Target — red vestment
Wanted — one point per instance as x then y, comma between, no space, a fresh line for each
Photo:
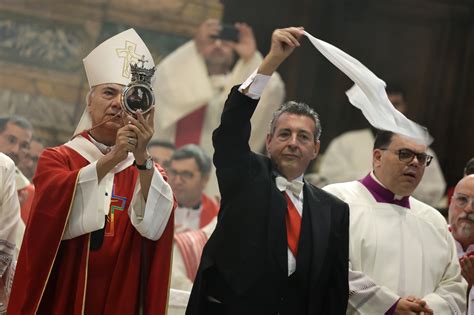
55,276
208,212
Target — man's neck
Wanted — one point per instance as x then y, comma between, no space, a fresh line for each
216,69
108,140
195,204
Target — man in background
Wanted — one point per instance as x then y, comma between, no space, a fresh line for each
193,82
189,171
29,162
161,152
348,157
461,220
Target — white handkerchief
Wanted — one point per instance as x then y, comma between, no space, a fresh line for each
369,95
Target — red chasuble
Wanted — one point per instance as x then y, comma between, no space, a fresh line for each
65,277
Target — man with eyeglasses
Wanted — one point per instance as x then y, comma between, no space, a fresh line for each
189,173
349,157
461,219
402,258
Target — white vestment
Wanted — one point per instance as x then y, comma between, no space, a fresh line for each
179,277
92,198
396,252
11,225
470,299
349,157
183,85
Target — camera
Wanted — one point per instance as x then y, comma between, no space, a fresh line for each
228,32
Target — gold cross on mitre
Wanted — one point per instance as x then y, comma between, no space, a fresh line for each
130,56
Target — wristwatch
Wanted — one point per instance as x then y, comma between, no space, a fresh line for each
148,165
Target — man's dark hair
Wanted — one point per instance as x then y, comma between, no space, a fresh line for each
159,143
383,139
195,152
393,88
469,168
297,108
20,121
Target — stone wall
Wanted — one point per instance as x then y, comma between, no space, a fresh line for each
42,44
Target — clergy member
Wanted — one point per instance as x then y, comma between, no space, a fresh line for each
189,173
402,256
461,220
101,226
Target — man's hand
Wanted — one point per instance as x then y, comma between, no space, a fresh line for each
204,33
247,45
284,41
125,142
467,269
412,305
143,129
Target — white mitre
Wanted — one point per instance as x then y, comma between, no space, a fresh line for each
110,63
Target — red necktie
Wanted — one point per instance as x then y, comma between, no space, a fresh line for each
293,225
188,128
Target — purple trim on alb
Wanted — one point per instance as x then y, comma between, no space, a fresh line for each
392,309
382,194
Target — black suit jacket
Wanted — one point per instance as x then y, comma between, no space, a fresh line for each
244,264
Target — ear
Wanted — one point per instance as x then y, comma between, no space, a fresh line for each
317,145
376,158
267,142
205,179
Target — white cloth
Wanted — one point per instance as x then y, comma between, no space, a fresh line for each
11,225
92,198
187,219
21,180
183,85
470,300
368,94
395,252
349,157
179,277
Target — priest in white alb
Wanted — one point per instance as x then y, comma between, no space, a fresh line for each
402,255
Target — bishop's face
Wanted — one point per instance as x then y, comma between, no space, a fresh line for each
104,104
292,145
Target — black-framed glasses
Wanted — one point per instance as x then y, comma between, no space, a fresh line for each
185,175
407,155
462,201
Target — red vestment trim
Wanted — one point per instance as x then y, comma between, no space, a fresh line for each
191,244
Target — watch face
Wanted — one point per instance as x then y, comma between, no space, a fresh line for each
149,164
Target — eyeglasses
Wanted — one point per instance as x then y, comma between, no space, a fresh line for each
462,201
407,155
185,175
